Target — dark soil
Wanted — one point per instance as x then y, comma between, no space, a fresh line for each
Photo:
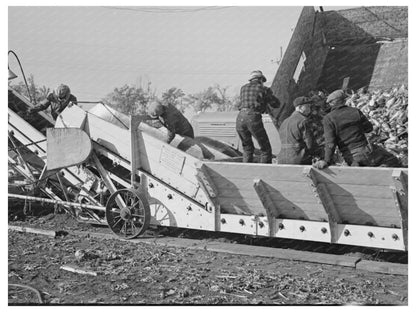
139,273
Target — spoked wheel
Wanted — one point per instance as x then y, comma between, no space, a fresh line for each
128,213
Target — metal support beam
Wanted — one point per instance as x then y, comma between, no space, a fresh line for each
400,193
271,209
326,200
58,175
59,202
134,145
107,180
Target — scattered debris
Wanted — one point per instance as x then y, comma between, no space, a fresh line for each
77,270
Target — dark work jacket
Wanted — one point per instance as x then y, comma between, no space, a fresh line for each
57,105
297,140
175,122
345,127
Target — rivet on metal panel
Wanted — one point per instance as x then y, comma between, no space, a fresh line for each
347,233
223,221
395,237
170,196
302,228
370,234
151,185
261,224
241,222
324,230
281,226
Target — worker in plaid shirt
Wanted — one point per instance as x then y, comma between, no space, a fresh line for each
255,99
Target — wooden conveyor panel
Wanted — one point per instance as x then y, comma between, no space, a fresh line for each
362,196
338,195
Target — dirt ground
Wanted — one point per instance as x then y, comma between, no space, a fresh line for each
122,273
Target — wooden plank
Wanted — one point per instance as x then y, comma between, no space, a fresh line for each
24,229
239,249
383,267
355,175
369,191
286,209
300,189
267,172
167,171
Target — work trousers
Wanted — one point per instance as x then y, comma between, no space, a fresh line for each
250,124
370,155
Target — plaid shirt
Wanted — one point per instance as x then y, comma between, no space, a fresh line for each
257,97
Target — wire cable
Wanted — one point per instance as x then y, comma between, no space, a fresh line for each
38,294
167,10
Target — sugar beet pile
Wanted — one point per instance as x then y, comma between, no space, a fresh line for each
386,110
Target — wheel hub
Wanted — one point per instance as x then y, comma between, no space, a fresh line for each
125,213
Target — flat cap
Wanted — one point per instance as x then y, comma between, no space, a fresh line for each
337,94
302,100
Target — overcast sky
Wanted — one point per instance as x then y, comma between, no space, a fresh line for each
95,49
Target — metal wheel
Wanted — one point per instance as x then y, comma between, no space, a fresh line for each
128,213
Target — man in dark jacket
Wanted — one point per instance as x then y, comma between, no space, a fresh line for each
172,119
296,137
345,127
58,101
255,99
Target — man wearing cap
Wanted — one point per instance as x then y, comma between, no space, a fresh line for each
172,119
296,137
255,99
57,100
345,127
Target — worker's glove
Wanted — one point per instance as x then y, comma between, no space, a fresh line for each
320,164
